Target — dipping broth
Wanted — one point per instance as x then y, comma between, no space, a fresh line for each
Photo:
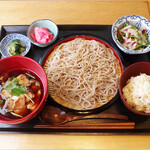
20,93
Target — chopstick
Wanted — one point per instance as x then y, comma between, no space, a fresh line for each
127,125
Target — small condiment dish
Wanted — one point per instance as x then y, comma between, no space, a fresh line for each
139,22
9,38
45,23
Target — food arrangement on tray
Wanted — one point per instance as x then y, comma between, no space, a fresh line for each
83,77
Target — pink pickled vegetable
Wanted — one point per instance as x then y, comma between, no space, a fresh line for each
129,33
128,42
143,31
119,33
42,35
45,29
33,36
134,43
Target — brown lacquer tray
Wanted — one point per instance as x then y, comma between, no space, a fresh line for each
134,123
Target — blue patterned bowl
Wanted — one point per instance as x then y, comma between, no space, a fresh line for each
137,21
8,39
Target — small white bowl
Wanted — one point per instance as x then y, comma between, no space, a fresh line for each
43,23
137,21
8,39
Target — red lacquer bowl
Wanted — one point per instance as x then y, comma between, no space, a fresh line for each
14,63
133,70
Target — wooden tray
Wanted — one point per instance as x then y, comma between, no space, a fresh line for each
133,125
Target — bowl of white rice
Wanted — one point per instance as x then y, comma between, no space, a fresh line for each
134,88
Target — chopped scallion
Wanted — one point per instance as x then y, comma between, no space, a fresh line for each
30,75
16,114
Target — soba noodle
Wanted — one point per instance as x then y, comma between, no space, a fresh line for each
82,74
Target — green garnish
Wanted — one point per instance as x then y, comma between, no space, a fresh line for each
125,24
1,101
29,98
10,84
133,27
119,36
16,47
132,38
14,88
123,34
139,46
30,75
16,114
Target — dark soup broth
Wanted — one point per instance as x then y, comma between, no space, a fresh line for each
20,93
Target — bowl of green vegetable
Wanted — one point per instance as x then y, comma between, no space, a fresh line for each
131,33
15,44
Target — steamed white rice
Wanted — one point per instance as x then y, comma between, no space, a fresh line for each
137,92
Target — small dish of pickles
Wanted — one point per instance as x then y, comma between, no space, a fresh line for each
131,33
15,44
132,38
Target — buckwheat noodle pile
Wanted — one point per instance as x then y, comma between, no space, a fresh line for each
82,74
